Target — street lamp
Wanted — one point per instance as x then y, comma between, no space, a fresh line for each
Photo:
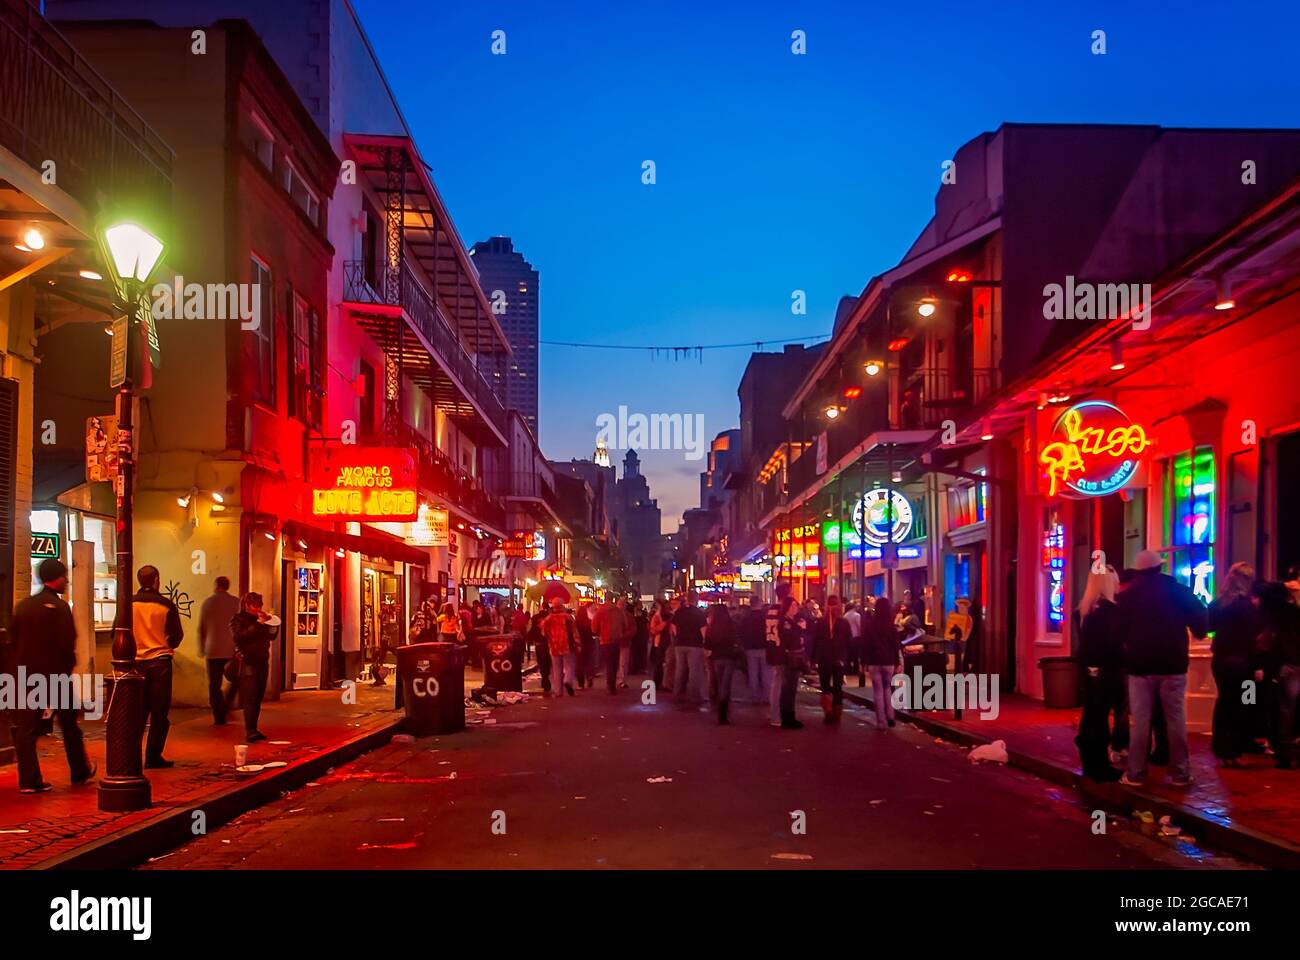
131,254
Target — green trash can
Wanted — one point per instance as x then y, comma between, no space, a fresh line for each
1061,687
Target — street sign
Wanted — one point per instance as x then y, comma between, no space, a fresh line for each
150,330
117,363
45,545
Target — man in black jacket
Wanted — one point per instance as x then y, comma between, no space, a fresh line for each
1155,614
46,640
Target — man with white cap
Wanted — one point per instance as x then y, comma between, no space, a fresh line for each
1156,613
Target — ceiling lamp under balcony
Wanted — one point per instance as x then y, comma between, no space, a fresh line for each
852,393
899,344
1117,356
959,276
926,307
832,411
1223,299
873,367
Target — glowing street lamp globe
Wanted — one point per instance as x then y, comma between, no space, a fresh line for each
133,252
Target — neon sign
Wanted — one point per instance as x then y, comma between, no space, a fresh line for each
872,515
363,483
1093,450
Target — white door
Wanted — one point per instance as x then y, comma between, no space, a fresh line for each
309,624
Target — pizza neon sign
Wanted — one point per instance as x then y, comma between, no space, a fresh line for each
1093,450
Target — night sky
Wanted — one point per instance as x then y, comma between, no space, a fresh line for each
775,172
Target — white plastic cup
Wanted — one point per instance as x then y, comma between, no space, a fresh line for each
241,755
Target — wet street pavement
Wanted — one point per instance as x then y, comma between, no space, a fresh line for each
579,782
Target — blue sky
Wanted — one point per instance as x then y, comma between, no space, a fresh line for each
775,172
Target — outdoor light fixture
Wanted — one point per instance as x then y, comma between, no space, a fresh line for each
852,393
302,545
269,535
927,307
897,476
1223,295
959,276
1116,356
33,239
557,529
832,411
185,500
339,553
986,433
873,368
133,251
108,329
898,344
1042,400
90,275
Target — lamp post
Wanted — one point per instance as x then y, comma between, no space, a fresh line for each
131,253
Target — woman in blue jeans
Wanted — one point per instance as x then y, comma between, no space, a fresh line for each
880,654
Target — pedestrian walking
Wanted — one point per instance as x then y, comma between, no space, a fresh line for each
853,665
688,648
1279,619
880,654
450,627
792,632
832,638
541,650
613,629
722,644
1101,656
776,657
251,628
560,630
660,621
753,640
585,654
1157,613
45,647
217,644
1235,623
156,624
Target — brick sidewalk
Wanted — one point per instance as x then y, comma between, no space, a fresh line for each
1257,800
67,819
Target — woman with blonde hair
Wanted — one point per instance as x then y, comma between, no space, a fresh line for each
1101,655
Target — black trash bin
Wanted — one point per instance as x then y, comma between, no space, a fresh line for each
1060,682
931,661
503,657
433,687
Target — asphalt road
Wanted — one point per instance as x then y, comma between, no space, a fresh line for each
566,784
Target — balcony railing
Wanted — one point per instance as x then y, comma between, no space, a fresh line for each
439,473
426,317
55,107
930,396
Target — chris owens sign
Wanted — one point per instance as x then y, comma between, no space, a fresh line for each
1093,450
362,483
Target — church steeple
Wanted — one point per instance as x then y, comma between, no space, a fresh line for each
631,465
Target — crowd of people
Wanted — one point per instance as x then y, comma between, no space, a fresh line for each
1135,627
759,651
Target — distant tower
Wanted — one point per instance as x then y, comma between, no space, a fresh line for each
601,457
631,465
508,279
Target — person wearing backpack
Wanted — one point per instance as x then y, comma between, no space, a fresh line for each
560,630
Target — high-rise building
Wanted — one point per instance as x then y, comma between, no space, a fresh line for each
511,285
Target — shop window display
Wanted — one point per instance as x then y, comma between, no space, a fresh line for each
1190,501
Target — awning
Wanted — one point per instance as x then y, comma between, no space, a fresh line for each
497,571
372,545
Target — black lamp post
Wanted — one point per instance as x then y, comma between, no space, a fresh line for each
131,253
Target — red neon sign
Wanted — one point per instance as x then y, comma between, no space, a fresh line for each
362,483
1093,450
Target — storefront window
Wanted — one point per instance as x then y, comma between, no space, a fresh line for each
1190,501
1054,570
103,534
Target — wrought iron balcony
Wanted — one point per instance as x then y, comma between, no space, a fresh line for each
458,385
55,107
439,474
929,396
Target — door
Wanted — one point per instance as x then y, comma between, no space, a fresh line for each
309,625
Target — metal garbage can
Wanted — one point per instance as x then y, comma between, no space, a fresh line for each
433,687
930,662
503,657
1060,682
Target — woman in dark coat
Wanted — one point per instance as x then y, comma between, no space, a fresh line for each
880,654
832,638
1234,621
1101,655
